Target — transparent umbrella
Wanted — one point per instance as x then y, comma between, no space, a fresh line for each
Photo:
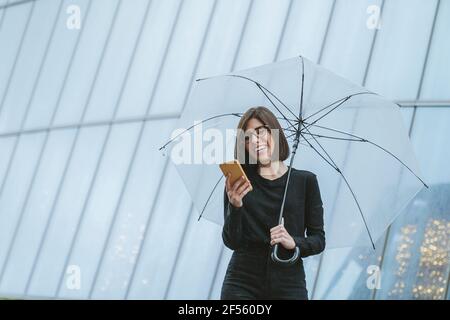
354,141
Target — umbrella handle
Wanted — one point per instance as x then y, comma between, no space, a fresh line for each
291,260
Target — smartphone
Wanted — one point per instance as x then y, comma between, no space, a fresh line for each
235,168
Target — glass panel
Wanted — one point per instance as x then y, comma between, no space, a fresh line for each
98,208
66,212
11,32
344,273
311,265
448,291
417,258
3,5
407,114
349,39
28,65
398,57
160,253
305,29
223,43
15,190
55,68
430,135
115,63
12,3
141,189
262,35
178,68
220,275
437,76
83,72
6,145
197,260
36,212
148,58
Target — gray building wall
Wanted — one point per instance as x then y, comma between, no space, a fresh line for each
85,192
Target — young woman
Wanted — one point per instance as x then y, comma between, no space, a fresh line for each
251,217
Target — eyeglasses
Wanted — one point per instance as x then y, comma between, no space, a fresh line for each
259,132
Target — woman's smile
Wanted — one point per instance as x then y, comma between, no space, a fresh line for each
261,149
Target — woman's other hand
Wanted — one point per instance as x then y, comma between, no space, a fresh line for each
237,191
280,235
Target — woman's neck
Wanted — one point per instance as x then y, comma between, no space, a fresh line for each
273,169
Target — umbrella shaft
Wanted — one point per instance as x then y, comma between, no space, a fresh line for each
294,151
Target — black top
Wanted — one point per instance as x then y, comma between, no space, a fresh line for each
303,213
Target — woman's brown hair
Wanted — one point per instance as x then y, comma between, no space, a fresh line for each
267,118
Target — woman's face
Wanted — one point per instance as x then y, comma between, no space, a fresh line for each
259,141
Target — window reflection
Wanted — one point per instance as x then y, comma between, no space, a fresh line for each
417,258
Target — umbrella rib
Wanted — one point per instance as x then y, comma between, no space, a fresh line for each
303,144
292,126
331,110
332,129
374,144
201,122
209,198
300,140
273,104
359,208
291,134
340,101
326,107
323,149
282,118
240,114
260,86
334,138
321,155
349,187
294,134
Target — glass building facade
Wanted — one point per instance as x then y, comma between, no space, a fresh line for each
89,89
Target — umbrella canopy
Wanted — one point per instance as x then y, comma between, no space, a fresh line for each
354,140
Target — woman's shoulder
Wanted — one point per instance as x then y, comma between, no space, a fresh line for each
306,178
303,173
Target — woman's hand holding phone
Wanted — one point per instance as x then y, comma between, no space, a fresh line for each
237,191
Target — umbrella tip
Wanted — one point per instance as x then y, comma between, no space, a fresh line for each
163,150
